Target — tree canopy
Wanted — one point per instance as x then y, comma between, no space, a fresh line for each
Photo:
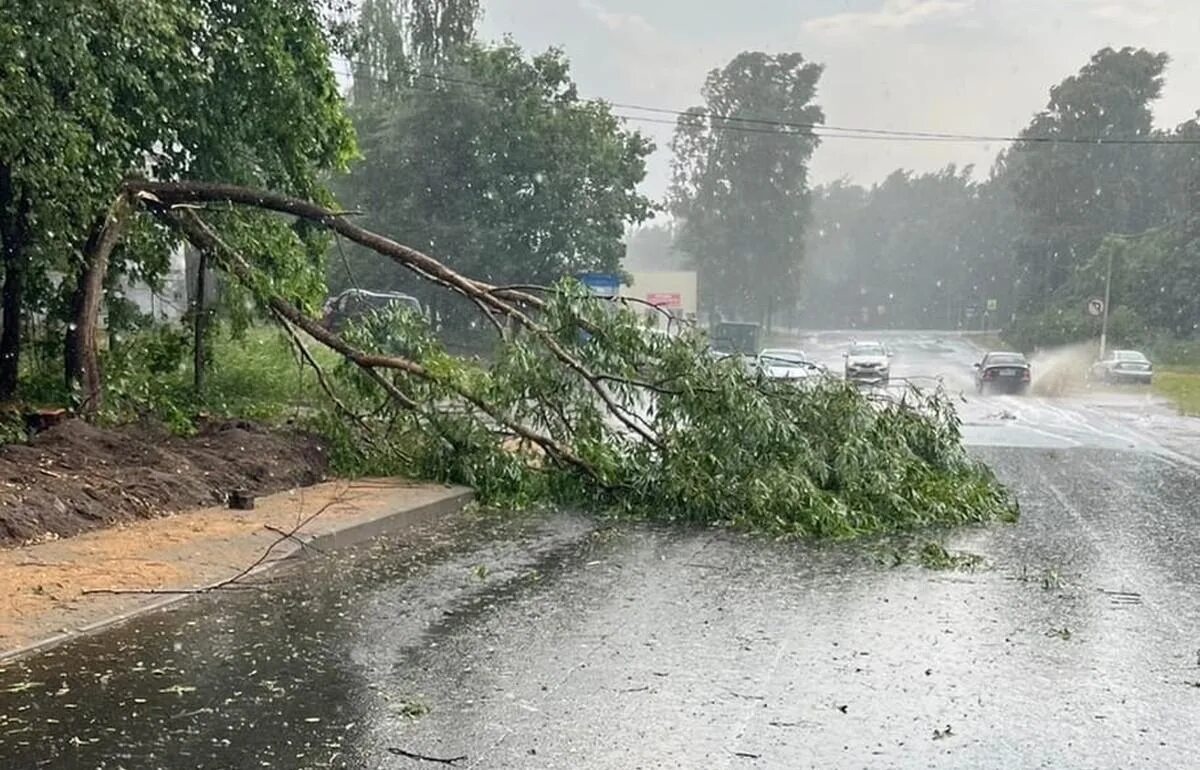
740,182
1089,178
494,160
914,251
1070,194
97,90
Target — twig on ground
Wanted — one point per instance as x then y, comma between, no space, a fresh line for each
745,696
302,543
425,757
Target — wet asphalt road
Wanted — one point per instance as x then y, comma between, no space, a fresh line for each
561,642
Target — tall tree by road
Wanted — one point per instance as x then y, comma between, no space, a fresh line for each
497,164
1072,194
740,182
394,39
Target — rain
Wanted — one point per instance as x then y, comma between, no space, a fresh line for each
519,383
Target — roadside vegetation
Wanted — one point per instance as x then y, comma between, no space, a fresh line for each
1026,246
473,176
1181,387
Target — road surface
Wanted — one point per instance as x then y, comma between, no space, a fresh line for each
561,642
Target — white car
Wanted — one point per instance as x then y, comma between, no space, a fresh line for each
868,362
1123,366
786,364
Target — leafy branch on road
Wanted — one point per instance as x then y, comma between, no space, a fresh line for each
580,405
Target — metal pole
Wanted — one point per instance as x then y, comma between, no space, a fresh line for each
1104,316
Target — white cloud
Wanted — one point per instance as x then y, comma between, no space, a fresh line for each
894,14
618,22
1128,13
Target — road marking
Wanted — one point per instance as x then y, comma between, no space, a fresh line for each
1122,574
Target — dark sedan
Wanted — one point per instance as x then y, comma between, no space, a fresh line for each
1006,372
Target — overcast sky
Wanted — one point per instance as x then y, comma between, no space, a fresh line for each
963,66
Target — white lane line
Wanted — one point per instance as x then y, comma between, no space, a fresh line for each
1115,566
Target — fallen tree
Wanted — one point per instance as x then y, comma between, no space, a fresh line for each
582,406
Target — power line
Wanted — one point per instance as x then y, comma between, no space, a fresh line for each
820,132
777,127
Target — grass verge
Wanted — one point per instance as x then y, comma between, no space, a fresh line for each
1181,387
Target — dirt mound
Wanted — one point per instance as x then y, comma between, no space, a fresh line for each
75,476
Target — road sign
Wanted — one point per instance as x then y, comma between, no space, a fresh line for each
1095,306
602,284
667,299
992,305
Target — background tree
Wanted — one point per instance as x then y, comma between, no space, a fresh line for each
394,39
740,188
1069,194
652,247
930,250
100,89
495,162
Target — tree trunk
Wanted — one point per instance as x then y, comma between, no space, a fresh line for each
83,357
14,252
200,321
10,338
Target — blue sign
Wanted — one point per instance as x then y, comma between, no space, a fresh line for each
602,284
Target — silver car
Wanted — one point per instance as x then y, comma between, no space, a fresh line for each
1123,366
869,362
786,364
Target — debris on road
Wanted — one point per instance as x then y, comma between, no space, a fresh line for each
425,757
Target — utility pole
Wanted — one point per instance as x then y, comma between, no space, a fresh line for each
1107,295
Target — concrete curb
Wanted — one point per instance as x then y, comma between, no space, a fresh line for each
351,534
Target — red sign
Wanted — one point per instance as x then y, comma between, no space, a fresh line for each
665,299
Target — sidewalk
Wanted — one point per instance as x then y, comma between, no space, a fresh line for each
44,600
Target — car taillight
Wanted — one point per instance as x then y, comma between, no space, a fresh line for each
1025,376
987,374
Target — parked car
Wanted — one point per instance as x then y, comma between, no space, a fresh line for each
1003,371
869,362
786,364
735,337
1123,366
355,303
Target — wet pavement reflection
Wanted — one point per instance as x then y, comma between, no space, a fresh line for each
560,641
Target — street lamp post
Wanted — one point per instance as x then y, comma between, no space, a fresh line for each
1104,315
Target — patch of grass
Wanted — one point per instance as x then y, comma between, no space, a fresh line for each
256,376
1181,386
259,376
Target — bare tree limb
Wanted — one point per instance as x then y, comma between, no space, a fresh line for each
203,236
171,193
